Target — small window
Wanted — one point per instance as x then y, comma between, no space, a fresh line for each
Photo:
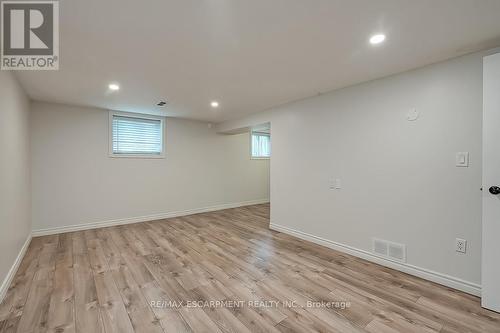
136,136
261,145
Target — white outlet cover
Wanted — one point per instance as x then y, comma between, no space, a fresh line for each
461,245
335,184
412,115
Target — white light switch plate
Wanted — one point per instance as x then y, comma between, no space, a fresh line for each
462,159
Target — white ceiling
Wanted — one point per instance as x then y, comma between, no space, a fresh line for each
249,55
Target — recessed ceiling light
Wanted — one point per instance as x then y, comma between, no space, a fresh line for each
214,104
377,39
113,86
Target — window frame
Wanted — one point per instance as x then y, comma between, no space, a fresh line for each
251,150
138,116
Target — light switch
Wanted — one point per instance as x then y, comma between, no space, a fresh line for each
462,159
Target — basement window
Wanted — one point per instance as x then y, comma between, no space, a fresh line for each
261,145
133,135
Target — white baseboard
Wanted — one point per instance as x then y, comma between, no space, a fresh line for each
443,279
13,270
109,223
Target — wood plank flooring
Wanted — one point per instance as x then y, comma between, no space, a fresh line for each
230,273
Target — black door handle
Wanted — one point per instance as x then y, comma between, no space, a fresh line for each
495,190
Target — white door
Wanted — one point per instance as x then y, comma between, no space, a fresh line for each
491,184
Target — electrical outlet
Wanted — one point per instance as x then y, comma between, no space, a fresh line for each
335,184
461,245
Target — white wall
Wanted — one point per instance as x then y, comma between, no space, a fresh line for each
399,178
76,182
15,193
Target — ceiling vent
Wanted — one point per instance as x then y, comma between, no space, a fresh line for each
390,250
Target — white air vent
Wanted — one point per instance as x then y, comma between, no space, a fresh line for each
390,250
397,251
380,247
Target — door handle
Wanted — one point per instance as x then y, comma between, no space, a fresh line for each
495,190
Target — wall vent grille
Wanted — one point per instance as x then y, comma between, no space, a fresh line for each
394,251
380,247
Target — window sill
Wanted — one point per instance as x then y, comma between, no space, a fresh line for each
138,156
259,158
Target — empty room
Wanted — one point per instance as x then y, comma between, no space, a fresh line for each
250,166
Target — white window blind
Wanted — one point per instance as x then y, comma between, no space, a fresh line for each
137,136
261,145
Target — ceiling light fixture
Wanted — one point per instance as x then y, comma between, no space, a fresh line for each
114,87
377,39
214,104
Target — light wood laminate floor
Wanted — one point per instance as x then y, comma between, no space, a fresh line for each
120,279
